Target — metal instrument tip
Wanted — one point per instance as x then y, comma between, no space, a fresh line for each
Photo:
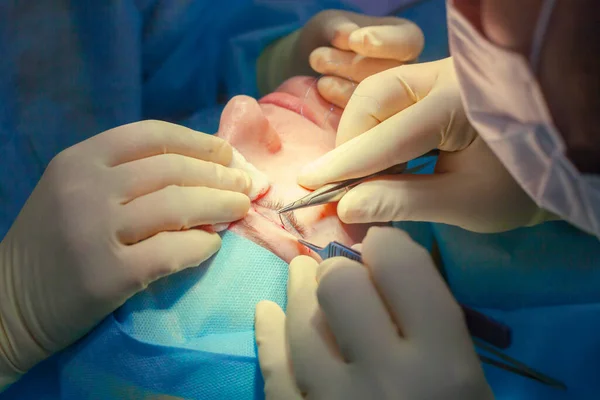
311,246
289,207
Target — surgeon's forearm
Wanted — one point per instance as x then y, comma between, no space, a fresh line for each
9,372
278,63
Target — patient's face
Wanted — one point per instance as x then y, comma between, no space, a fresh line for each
279,135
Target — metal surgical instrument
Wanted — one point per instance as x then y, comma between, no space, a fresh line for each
333,249
333,192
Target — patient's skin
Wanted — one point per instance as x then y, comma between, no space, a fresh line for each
280,142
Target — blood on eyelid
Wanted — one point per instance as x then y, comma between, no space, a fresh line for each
265,217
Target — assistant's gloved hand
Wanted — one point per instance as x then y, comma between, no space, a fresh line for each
109,216
389,329
398,115
344,45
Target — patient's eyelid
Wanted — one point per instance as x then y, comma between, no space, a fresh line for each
255,237
289,217
272,204
293,222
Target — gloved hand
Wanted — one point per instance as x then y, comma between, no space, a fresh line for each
398,115
387,330
109,216
344,45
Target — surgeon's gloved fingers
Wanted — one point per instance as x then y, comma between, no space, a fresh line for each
269,323
301,274
347,64
164,254
423,198
405,136
309,337
176,208
332,27
401,42
408,280
437,198
350,302
149,138
341,29
388,93
150,174
336,90
357,247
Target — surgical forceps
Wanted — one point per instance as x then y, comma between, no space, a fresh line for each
333,192
487,333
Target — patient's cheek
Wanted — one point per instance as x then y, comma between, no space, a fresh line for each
246,128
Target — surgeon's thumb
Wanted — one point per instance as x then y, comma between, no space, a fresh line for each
402,198
272,352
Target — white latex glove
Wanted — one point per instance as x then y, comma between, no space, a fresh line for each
398,115
344,45
387,330
362,46
109,216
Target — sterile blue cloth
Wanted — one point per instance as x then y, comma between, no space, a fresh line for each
544,283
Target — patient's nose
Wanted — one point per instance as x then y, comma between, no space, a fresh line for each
243,124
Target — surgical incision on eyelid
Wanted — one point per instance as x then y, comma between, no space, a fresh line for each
287,221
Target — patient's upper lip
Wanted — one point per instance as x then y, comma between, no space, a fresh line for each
292,103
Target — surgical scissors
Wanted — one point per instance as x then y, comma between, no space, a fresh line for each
487,333
333,192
